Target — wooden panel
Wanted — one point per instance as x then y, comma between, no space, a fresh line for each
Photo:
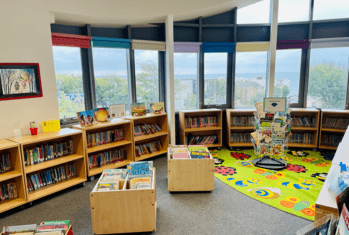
190,174
238,112
113,123
108,146
6,144
149,115
146,137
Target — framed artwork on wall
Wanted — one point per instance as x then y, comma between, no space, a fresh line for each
20,81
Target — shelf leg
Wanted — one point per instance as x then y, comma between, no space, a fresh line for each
30,203
83,184
314,150
22,207
219,148
92,178
231,148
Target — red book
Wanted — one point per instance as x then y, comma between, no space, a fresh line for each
41,159
40,180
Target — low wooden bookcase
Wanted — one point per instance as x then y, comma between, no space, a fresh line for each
77,158
334,129
126,144
189,175
159,119
14,175
309,113
201,131
125,210
236,125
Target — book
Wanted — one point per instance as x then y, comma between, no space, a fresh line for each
108,186
343,224
138,109
146,129
22,229
117,110
140,182
86,118
101,114
115,172
138,169
148,148
107,157
157,107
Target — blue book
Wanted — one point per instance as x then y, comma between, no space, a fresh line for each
137,169
34,182
35,155
37,180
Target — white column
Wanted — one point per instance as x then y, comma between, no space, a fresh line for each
170,97
274,8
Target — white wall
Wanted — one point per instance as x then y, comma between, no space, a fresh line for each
25,36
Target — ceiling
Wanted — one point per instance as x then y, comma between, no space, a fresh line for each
119,13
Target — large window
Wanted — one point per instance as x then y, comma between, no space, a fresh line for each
215,78
70,91
147,76
250,78
186,81
287,74
256,13
328,78
293,10
110,70
325,9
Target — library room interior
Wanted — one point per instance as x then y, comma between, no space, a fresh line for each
174,117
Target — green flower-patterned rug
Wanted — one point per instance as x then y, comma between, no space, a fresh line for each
293,189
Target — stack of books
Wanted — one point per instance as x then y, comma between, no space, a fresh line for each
189,152
105,137
143,149
100,159
146,129
8,191
242,121
202,140
340,123
303,121
51,176
140,174
240,137
110,180
5,162
331,139
302,138
47,152
196,122
62,227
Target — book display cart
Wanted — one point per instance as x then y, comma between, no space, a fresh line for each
125,210
77,159
190,175
162,136
13,175
305,128
126,143
196,130
240,124
332,128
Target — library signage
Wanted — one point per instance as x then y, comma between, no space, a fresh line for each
271,105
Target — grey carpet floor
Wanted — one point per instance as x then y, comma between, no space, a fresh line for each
223,211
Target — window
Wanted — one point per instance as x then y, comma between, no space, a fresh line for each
147,76
186,81
255,13
215,78
328,78
70,90
324,9
293,10
287,74
250,78
110,70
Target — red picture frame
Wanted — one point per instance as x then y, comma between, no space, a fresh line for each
20,81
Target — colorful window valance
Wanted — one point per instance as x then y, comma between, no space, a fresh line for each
111,42
216,47
293,44
148,45
70,40
252,46
187,47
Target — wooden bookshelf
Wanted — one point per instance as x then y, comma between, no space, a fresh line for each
231,113
162,121
201,131
14,175
313,129
127,144
325,130
77,158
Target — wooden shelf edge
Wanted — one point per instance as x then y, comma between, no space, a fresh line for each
296,145
108,146
11,203
298,128
203,129
240,144
48,190
242,128
146,156
51,163
99,170
328,147
144,137
333,130
9,175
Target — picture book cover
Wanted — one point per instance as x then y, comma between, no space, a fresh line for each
136,169
199,155
197,148
180,153
101,114
86,118
117,110
144,181
157,107
343,224
138,109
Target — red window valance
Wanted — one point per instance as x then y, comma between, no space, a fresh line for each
70,40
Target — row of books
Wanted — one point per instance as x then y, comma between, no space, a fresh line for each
242,121
61,227
189,152
146,129
5,162
240,137
105,137
331,139
303,121
48,152
110,179
51,176
341,123
201,140
303,138
101,159
143,149
8,191
196,122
